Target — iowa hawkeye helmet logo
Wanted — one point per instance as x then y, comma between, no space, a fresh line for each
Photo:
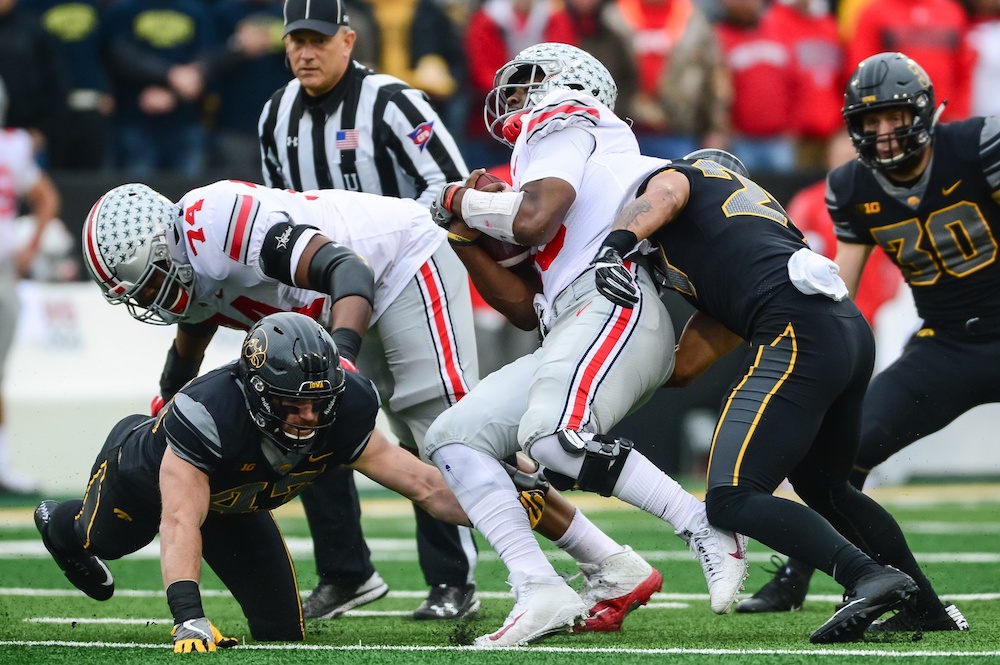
255,349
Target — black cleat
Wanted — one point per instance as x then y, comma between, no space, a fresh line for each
448,603
85,571
329,601
874,595
785,592
908,620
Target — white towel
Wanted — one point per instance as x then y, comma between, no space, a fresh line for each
813,274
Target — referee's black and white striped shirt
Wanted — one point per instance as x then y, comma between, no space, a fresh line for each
377,135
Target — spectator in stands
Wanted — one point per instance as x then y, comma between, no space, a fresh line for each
497,31
765,107
880,279
421,46
683,96
818,65
22,181
244,73
82,140
983,39
155,58
932,32
599,28
36,87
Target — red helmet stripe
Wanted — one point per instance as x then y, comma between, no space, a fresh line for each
93,253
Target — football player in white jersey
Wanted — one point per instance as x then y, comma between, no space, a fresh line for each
573,165
232,252
20,179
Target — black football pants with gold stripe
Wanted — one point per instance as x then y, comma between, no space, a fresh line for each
796,414
246,551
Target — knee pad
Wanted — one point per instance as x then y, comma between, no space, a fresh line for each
603,459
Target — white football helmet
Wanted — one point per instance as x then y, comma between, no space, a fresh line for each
543,68
126,252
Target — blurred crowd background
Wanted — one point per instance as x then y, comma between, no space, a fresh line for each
101,83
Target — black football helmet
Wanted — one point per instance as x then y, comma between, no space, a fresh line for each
888,80
290,356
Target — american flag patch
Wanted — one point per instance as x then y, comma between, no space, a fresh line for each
347,139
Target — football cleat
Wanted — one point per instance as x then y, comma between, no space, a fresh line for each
543,606
85,571
448,602
723,557
947,617
329,601
785,592
874,595
615,587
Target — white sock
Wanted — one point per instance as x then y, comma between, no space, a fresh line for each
643,485
489,498
585,542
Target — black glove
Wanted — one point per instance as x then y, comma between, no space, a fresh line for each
614,281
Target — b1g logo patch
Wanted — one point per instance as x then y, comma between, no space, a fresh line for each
422,134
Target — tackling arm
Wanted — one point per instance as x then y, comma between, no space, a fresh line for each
394,468
703,341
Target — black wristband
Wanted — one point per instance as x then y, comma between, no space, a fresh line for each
348,342
184,599
176,372
622,241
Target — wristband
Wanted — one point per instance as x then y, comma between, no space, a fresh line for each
184,599
348,343
622,241
460,241
449,196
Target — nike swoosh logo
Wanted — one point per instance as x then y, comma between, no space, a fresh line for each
316,458
580,311
736,555
948,190
497,635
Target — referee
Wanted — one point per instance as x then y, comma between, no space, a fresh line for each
340,125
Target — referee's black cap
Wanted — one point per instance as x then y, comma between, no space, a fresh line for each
323,16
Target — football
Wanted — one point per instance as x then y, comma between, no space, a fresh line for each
507,254
487,179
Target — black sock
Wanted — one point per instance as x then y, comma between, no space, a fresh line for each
61,531
851,564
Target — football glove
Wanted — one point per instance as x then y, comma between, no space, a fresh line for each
441,206
199,635
614,281
534,504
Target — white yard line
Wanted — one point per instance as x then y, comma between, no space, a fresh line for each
861,653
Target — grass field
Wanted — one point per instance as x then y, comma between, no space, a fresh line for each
955,531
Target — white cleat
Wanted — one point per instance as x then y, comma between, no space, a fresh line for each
723,557
615,587
543,606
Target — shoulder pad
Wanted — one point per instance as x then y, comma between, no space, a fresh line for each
561,109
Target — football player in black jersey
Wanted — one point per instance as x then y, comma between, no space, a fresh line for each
728,247
231,446
929,195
